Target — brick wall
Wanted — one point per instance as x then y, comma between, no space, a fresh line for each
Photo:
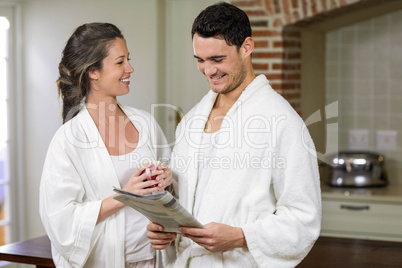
276,28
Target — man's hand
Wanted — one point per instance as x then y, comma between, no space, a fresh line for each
158,238
216,237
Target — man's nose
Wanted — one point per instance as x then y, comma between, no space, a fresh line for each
209,69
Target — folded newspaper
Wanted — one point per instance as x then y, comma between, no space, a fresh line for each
161,208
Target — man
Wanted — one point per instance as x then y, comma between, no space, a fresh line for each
241,161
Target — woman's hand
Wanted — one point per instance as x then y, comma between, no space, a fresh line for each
165,177
139,183
145,182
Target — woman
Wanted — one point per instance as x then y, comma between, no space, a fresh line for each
98,147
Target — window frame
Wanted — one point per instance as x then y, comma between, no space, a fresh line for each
16,230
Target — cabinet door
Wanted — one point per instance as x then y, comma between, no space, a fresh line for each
358,219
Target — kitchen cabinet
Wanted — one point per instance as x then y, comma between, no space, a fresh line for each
365,213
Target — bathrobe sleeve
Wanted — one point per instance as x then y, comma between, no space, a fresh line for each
284,238
68,216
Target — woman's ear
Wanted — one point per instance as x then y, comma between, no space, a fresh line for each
93,74
248,46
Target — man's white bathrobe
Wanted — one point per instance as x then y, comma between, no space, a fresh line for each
78,174
263,178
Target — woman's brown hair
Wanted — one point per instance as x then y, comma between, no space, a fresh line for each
84,51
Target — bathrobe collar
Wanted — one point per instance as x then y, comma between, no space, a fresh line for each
202,111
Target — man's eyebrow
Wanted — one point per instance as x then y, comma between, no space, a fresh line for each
211,58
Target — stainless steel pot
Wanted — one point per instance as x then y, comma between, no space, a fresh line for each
356,169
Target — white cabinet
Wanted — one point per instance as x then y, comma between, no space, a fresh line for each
368,219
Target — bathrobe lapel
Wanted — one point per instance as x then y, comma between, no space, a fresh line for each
230,134
100,155
196,122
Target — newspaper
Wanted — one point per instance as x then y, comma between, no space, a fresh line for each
159,207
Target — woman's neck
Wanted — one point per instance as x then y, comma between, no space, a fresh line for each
102,111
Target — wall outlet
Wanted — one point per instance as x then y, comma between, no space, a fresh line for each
358,139
386,140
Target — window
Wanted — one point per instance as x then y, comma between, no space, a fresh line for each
4,141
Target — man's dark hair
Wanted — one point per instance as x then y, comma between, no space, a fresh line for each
225,21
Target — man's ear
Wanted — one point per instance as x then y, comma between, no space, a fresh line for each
248,46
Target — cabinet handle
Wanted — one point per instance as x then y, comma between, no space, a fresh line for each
348,207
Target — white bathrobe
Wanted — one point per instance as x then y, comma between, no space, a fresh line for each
78,174
264,179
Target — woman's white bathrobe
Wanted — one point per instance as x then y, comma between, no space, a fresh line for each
264,179
78,174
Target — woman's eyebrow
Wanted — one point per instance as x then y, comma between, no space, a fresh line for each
122,56
119,57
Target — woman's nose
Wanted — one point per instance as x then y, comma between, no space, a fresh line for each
129,68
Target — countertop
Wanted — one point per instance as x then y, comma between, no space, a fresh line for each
328,252
389,193
331,252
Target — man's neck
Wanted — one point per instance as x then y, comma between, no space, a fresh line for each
228,99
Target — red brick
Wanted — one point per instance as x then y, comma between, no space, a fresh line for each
268,7
333,4
286,66
266,33
295,76
268,55
252,13
261,44
246,3
272,76
286,11
294,96
286,44
291,33
260,66
295,3
324,5
278,22
277,44
260,23
277,66
304,7
277,7
314,6
296,15
284,86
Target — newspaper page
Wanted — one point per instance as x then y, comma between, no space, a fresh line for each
161,208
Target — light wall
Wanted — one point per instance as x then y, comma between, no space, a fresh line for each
316,107
185,84
363,73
